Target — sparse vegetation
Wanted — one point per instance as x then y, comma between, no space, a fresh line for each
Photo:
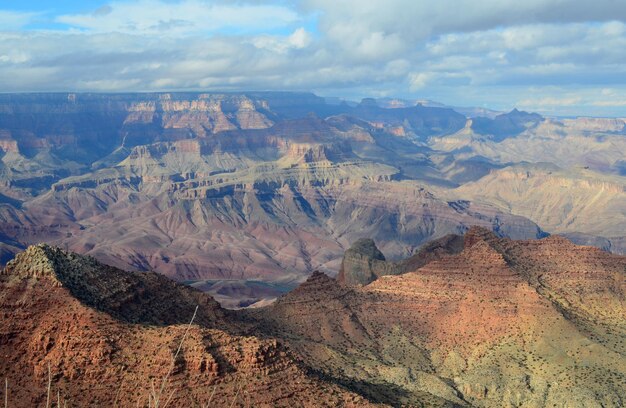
155,396
464,337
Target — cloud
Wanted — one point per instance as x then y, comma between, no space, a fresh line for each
550,102
299,39
416,19
14,20
610,103
419,80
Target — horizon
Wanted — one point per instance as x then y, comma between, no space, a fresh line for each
325,97
558,59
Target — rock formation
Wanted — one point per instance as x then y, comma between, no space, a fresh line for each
363,263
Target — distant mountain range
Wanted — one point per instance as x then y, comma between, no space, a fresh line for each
470,112
220,189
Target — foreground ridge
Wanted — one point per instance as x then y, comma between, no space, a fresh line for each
498,323
105,335
473,320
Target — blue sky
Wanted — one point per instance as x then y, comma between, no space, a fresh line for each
551,56
57,6
48,10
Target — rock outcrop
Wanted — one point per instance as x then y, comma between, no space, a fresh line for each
363,263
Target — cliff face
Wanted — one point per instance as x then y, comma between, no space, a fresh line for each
207,114
92,125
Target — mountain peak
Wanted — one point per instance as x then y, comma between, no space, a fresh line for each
317,278
317,286
39,261
476,234
144,297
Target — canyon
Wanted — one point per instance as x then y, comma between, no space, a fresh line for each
281,249
245,194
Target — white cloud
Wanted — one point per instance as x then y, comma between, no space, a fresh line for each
299,39
610,103
419,80
347,21
583,101
14,57
13,20
550,102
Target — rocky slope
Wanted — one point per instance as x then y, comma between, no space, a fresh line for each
478,321
574,201
502,323
106,337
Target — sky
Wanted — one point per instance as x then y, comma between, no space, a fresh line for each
560,57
